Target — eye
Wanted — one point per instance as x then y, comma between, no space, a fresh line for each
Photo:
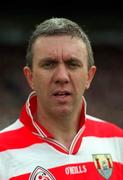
74,64
48,64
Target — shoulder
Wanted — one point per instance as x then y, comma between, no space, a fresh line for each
14,126
8,136
103,127
17,136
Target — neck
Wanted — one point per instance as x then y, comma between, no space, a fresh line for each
63,128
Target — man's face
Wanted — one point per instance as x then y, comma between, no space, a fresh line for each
59,73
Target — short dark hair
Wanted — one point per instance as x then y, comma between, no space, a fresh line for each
58,26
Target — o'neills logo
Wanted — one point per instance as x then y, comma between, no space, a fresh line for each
104,164
80,169
41,174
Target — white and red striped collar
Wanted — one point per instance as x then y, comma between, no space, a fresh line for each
35,127
31,107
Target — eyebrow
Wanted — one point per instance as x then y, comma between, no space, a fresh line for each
55,59
47,59
73,59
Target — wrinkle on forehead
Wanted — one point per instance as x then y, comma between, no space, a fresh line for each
60,47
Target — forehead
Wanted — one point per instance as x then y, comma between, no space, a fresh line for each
59,45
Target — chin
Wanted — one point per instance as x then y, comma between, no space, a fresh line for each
63,111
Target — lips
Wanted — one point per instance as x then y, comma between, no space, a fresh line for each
62,96
62,93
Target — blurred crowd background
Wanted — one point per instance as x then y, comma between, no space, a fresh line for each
105,30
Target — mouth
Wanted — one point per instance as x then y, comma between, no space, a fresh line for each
62,93
62,100
62,96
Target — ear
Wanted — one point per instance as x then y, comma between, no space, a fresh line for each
29,76
91,74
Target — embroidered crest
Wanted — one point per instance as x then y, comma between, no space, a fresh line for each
41,174
104,164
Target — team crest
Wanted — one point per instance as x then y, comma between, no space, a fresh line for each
104,164
41,174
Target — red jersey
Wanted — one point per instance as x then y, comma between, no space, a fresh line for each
29,152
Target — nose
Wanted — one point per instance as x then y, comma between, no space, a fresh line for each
61,75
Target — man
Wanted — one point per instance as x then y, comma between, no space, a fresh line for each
54,138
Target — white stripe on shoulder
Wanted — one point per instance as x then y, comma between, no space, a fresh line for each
97,145
16,125
94,118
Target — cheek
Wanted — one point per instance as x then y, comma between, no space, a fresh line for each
41,82
80,81
82,85
37,81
